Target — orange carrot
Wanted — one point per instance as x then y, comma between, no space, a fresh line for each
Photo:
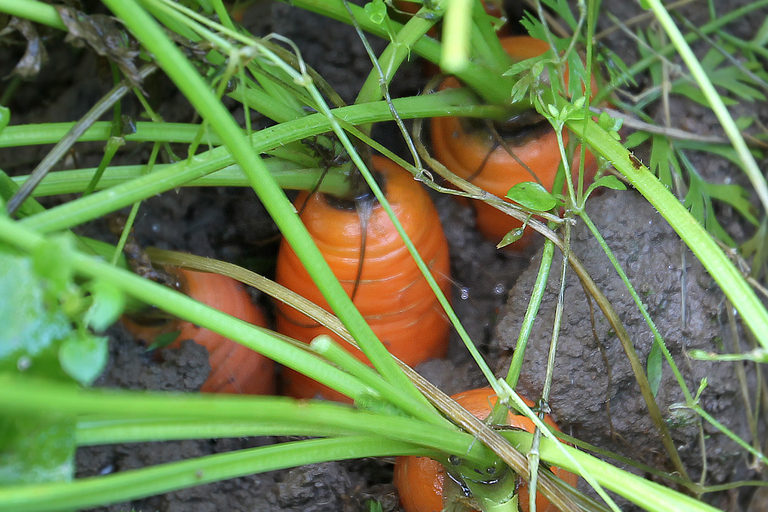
469,151
419,480
388,290
234,368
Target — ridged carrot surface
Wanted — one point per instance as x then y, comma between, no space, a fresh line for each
234,368
391,294
469,152
419,480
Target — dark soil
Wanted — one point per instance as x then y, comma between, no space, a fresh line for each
594,396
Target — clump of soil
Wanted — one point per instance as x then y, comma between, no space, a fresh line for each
594,395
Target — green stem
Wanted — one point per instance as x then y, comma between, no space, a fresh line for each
31,396
188,309
392,57
93,432
367,340
326,347
113,145
668,50
128,485
33,11
539,287
50,133
64,145
453,102
731,435
649,495
484,80
288,176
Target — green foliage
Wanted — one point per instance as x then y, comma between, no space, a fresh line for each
5,117
731,78
373,506
532,196
36,339
7,188
610,124
617,70
163,340
35,449
528,73
83,356
108,303
377,10
669,159
33,327
608,181
563,9
45,317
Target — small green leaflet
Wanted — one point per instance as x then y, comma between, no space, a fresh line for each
729,77
532,196
164,340
511,237
83,356
610,124
377,11
663,160
654,367
34,329
608,181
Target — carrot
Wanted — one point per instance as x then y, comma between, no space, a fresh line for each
388,290
234,368
419,480
467,149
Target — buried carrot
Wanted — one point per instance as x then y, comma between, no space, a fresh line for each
469,150
234,368
369,258
420,480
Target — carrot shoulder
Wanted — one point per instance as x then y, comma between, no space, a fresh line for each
391,294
